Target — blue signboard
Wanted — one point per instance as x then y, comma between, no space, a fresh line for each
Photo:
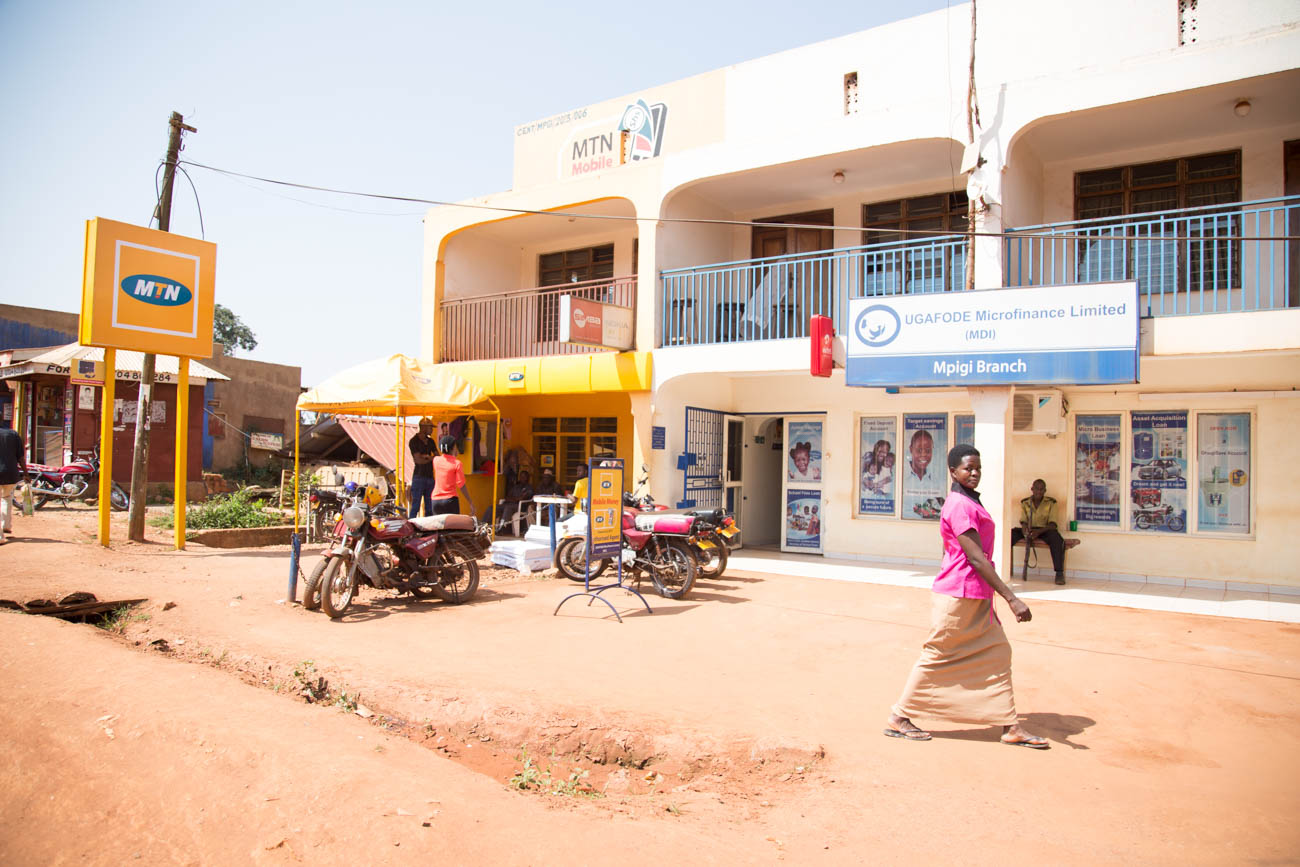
1084,334
658,437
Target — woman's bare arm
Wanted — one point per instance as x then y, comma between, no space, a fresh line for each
970,546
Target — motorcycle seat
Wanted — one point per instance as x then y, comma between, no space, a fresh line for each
432,523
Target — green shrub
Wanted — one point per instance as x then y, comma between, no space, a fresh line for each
223,511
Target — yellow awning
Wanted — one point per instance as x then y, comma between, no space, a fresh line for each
559,374
396,385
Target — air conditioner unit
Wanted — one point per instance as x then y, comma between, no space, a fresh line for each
1037,412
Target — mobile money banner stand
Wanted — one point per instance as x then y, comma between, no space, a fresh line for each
604,507
395,387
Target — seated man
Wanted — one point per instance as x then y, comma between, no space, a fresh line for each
515,499
547,486
1038,521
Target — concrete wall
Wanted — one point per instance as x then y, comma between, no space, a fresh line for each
257,389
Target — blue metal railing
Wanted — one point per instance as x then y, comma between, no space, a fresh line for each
1214,259
771,298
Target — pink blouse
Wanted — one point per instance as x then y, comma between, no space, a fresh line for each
956,575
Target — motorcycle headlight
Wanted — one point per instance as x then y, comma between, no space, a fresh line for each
354,517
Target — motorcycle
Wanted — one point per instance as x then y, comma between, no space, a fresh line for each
711,538
430,557
78,480
655,545
1161,516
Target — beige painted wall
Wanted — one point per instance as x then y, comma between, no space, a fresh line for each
256,388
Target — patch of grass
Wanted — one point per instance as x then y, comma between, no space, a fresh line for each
311,686
531,777
117,619
222,511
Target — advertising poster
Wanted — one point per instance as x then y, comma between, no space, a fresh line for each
1223,464
1158,479
963,429
805,460
606,492
803,520
922,465
1097,469
877,455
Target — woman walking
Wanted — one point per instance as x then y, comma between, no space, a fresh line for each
964,673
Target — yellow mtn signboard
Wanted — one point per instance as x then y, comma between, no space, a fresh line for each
147,290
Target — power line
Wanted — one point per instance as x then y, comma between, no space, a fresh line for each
930,233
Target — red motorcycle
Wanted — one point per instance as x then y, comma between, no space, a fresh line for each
430,557
655,544
78,480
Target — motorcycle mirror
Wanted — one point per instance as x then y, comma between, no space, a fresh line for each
381,485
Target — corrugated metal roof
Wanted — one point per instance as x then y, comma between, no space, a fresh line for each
126,360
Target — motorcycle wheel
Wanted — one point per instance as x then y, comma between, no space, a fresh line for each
118,498
1143,522
675,581
571,560
311,590
457,580
713,562
1176,524
38,498
337,587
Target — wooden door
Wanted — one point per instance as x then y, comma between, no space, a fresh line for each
791,290
1292,188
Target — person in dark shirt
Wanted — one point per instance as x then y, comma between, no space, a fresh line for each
422,449
13,466
547,487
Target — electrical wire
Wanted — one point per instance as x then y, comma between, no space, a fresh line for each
202,232
745,223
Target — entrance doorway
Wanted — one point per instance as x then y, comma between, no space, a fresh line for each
789,290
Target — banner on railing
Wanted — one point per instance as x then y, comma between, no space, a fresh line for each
1084,334
591,323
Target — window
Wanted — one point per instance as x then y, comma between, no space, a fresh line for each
913,263
570,266
1170,473
566,444
1206,257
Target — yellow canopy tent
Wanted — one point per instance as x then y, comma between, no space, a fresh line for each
397,386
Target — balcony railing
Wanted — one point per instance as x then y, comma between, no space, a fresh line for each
521,323
772,298
1217,259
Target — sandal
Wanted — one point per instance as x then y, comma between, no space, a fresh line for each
1034,742
911,734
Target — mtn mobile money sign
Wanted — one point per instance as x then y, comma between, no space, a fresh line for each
1085,334
147,290
592,323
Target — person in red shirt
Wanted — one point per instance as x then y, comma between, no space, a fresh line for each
448,477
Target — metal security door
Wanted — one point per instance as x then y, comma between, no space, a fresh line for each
733,463
702,463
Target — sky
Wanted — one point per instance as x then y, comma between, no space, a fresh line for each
408,99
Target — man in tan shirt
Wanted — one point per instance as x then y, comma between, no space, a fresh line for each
1038,521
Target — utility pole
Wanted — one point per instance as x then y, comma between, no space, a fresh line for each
972,120
140,455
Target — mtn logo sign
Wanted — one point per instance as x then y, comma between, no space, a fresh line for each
156,290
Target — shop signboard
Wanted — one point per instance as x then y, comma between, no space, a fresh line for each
267,441
1084,334
147,290
592,323
606,493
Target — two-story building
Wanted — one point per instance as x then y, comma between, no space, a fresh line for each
1151,144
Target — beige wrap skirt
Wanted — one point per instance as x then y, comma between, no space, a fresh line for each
964,673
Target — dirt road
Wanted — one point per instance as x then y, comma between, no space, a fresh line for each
741,725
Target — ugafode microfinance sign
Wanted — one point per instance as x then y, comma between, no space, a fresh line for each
1084,334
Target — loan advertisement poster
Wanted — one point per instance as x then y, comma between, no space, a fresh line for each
1097,469
805,463
1223,466
1158,478
925,479
963,430
877,455
803,520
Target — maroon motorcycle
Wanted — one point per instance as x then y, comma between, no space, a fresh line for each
78,480
430,557
657,545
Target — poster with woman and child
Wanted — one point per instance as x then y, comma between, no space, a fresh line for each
877,457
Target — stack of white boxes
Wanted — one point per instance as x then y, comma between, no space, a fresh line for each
524,555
